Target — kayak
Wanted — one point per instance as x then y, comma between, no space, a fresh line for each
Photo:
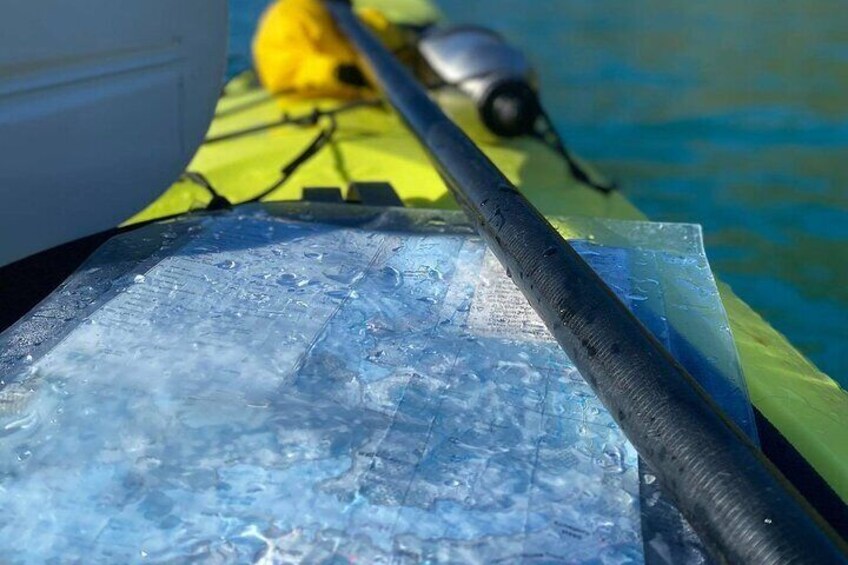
371,144
332,175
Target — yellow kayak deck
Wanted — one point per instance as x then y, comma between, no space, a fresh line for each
371,144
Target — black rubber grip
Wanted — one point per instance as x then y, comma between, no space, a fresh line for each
739,504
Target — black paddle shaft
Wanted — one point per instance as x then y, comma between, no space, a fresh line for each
740,505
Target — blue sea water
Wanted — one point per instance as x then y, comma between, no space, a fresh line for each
726,114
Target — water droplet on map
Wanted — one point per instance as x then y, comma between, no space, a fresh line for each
227,264
314,255
374,356
390,277
338,294
611,459
344,274
287,279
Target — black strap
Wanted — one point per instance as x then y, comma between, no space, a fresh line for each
218,201
308,119
551,137
252,103
308,152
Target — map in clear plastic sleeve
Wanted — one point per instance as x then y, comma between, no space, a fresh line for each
317,385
